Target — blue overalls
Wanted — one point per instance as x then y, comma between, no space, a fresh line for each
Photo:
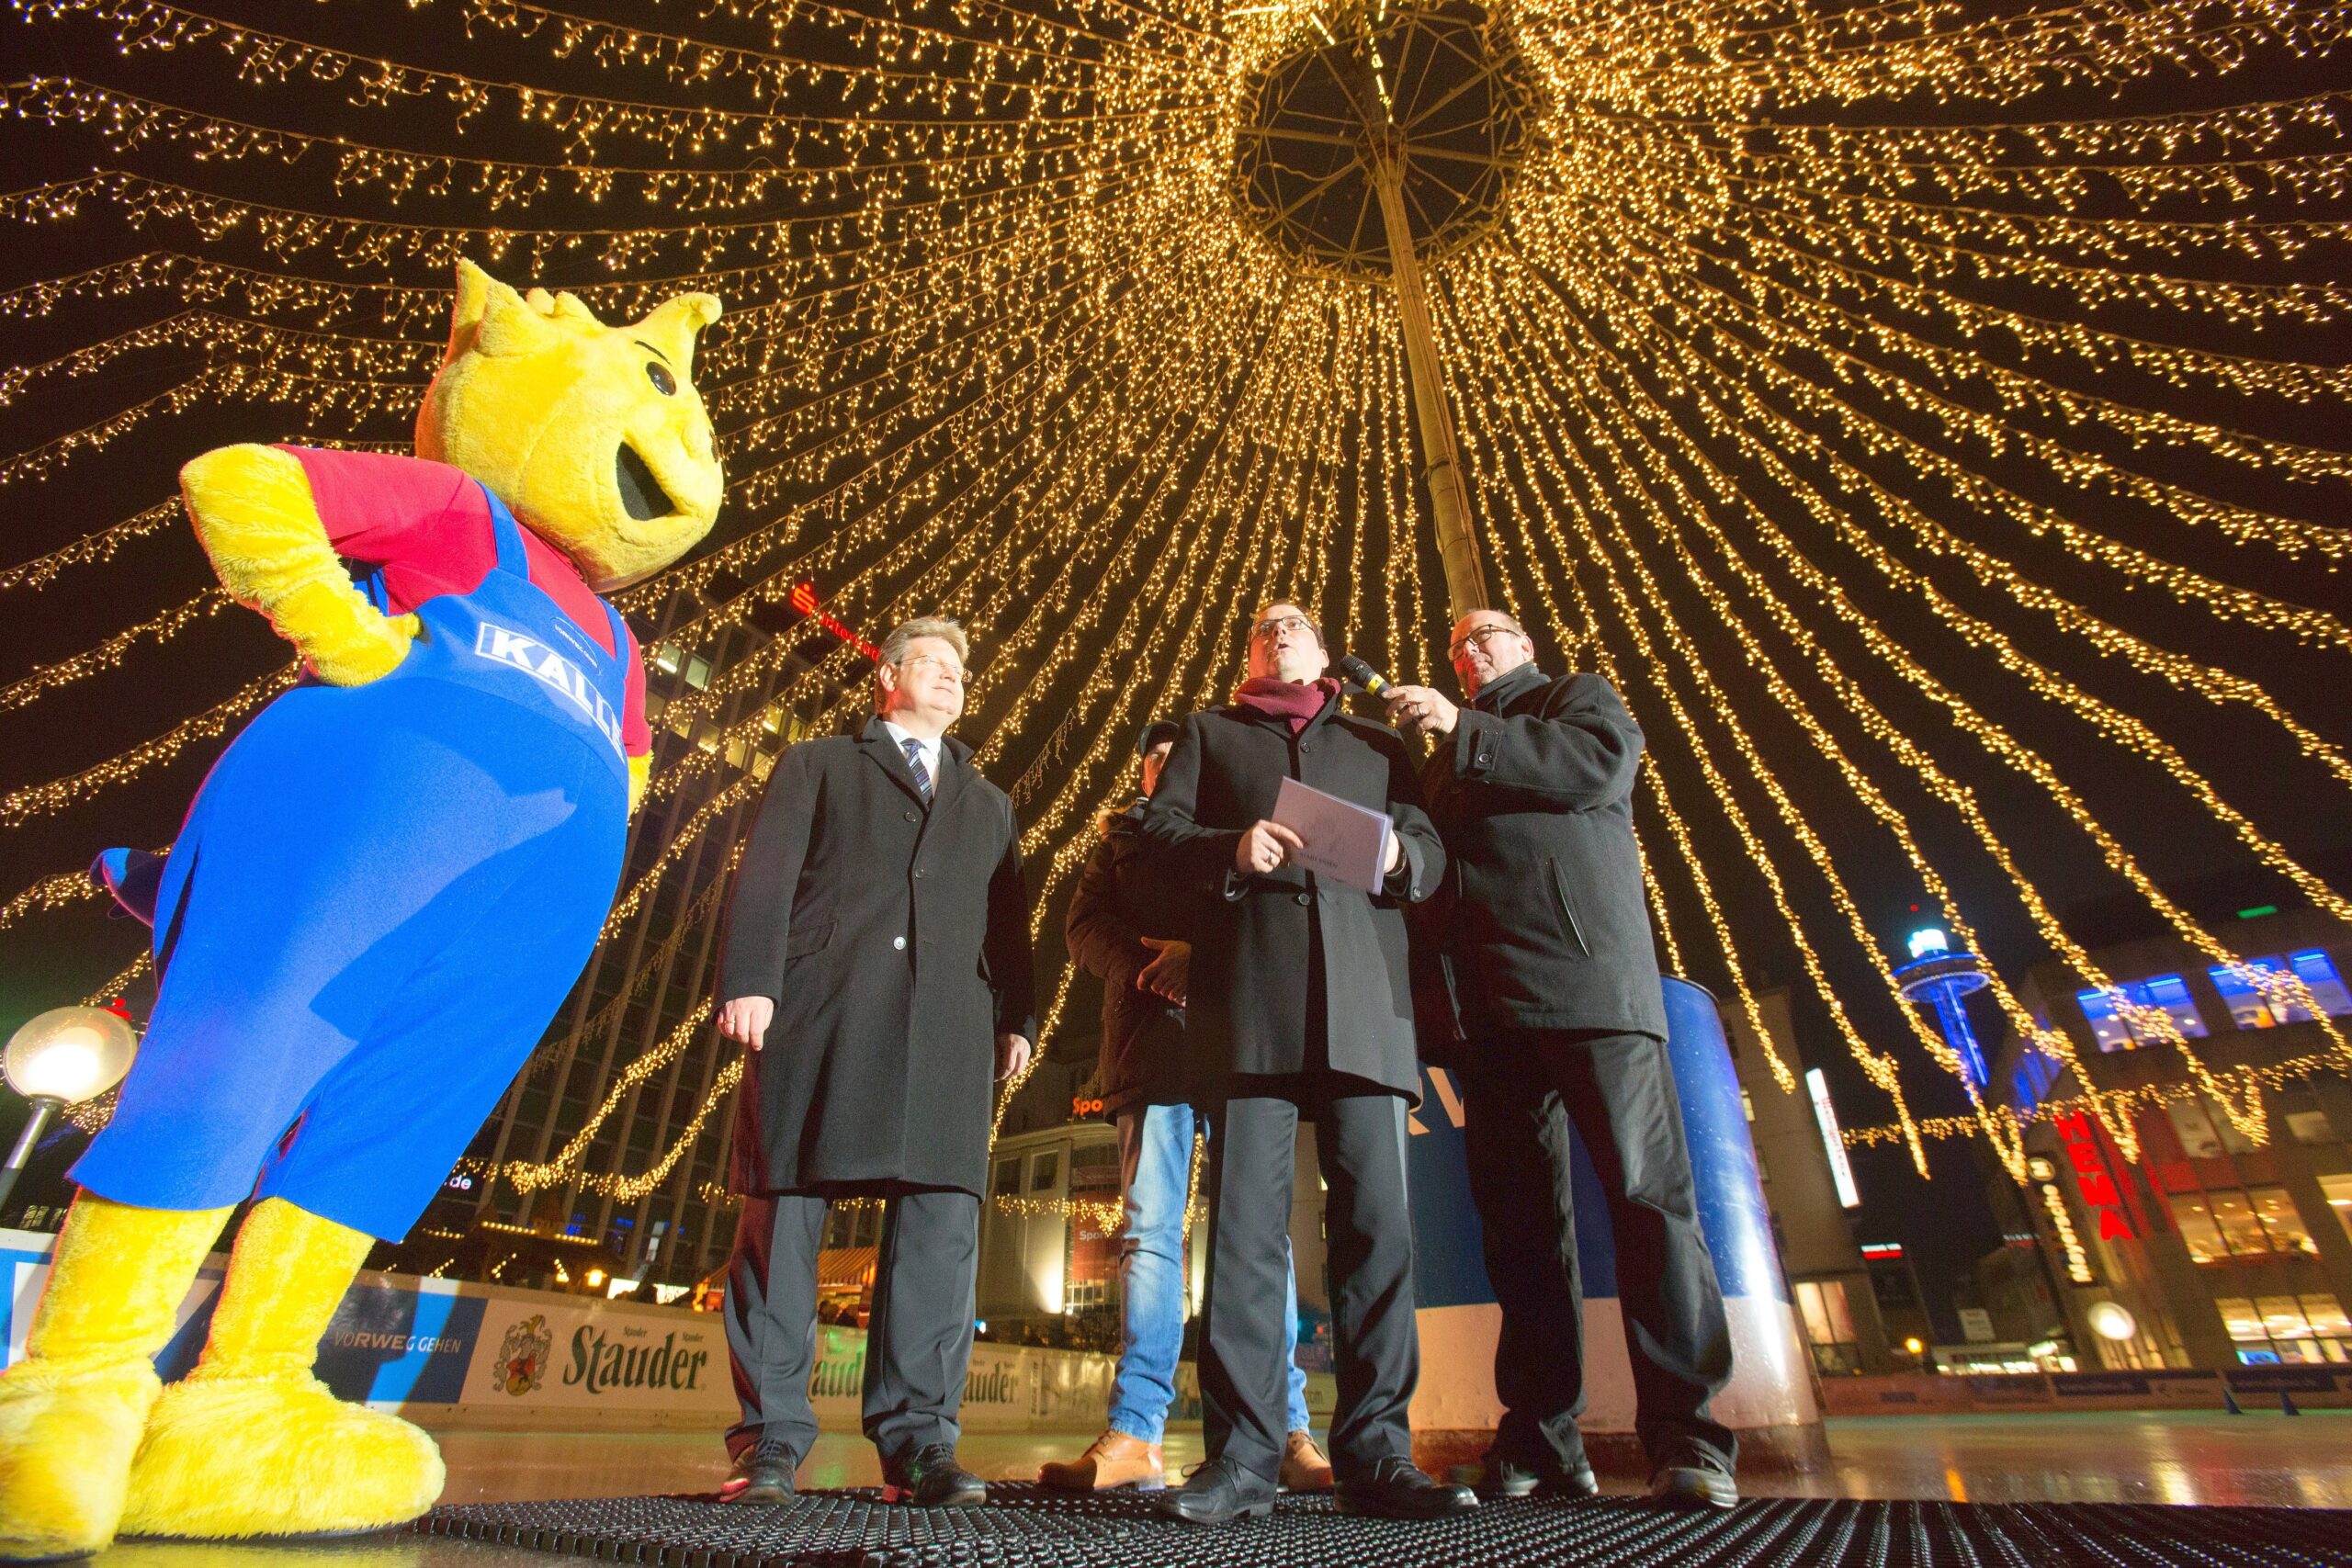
382,896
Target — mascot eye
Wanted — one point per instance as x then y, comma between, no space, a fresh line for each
663,382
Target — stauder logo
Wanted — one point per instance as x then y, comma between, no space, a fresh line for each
598,1363
523,1358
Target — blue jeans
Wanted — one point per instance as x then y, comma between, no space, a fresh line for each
1155,1171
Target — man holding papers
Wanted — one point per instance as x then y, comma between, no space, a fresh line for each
1300,1004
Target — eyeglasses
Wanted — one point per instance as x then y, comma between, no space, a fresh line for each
1479,634
1280,624
953,671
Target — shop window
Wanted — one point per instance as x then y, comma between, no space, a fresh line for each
2327,987
1007,1180
1045,1169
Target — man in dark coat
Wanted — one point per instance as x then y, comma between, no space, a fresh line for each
1548,1000
876,965
1300,1003
1122,927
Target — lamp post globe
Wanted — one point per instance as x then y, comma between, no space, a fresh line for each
59,1058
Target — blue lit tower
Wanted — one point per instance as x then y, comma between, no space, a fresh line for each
1939,978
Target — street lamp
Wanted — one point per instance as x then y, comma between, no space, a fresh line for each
59,1058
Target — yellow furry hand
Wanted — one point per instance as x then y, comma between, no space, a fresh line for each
253,513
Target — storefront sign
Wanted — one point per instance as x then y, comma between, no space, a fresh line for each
2093,1179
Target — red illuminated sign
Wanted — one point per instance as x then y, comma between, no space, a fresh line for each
804,599
2093,1179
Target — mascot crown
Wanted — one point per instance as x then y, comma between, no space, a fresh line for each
594,435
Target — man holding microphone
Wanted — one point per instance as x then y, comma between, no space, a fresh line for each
1551,1005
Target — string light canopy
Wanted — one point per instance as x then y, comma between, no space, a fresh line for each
1924,413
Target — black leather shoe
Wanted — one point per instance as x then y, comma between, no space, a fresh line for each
1497,1476
1690,1475
763,1473
933,1478
1396,1488
1217,1494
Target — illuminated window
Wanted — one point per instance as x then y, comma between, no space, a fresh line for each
2193,1217
2107,1027
666,659
1748,1104
2168,994
1828,1326
2338,1192
2258,1223
2247,1006
2318,971
698,671
2269,1329
2283,1222
2197,1137
2310,1127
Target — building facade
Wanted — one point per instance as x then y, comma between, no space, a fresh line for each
2211,1249
1837,1292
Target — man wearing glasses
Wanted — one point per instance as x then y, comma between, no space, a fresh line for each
1300,1004
1553,1009
876,966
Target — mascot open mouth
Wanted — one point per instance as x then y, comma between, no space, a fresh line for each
642,494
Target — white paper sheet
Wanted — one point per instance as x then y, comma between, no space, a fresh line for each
1343,839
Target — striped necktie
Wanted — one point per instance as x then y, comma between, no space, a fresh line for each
922,775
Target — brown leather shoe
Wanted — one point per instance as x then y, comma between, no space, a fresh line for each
1113,1460
1303,1467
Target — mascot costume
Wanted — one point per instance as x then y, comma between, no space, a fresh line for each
382,894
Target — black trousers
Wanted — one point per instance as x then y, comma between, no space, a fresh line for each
1618,1090
919,1336
1246,1338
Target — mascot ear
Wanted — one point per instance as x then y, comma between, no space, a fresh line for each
491,319
674,324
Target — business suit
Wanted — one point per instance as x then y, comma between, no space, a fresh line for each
1300,1003
891,930
1548,1002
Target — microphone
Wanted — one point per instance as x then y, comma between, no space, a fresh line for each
1364,674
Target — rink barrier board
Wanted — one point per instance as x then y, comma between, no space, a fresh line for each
2318,1386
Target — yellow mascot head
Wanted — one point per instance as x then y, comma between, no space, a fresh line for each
594,435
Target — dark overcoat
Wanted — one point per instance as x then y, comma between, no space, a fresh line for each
1260,940
894,938
1542,922
1121,900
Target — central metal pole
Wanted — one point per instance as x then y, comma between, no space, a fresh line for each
1384,159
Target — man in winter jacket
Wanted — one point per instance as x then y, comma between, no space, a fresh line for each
1549,1003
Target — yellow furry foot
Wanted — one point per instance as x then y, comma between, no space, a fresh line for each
226,1458
66,1439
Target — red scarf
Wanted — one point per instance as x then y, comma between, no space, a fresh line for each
1283,699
